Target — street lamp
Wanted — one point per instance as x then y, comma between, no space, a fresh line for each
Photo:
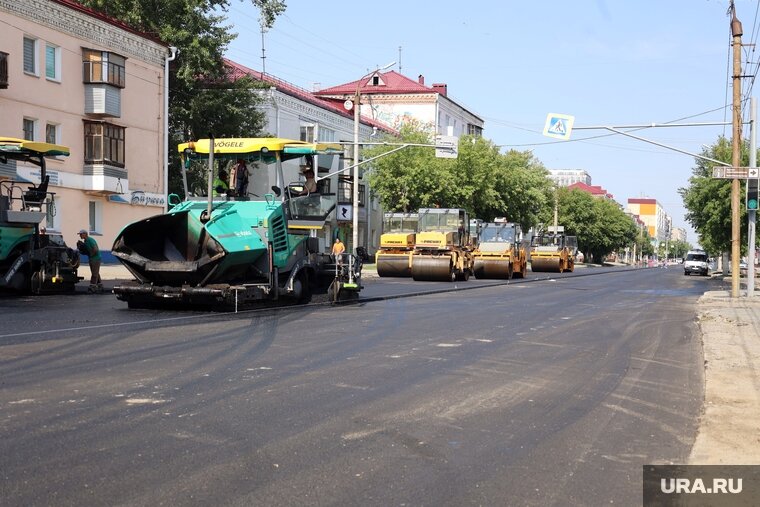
167,59
355,189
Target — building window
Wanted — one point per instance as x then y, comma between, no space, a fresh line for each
93,208
51,133
326,135
50,221
29,128
344,190
307,133
3,70
474,130
324,186
103,67
104,143
30,56
52,62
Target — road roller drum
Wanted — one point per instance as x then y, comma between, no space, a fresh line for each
493,268
393,265
546,264
432,268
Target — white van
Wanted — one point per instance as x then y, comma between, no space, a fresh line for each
695,262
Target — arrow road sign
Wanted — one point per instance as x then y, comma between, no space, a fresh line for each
730,173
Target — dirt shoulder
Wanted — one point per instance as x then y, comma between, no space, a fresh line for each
729,430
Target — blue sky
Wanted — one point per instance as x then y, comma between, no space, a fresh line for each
606,62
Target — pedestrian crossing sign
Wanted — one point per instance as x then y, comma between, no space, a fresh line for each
558,125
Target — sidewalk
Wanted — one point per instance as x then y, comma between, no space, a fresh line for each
729,429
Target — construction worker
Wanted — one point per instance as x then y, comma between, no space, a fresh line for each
338,249
90,246
220,185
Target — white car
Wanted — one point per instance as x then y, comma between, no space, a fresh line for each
695,262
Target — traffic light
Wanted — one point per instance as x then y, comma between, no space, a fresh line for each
752,193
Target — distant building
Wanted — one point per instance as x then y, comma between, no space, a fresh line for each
678,234
566,177
392,98
594,190
295,113
652,214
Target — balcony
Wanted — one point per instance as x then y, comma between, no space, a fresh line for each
105,179
103,82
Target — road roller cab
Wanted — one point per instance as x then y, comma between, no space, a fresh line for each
553,251
442,249
394,258
499,253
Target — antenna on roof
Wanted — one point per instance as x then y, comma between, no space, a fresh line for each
399,59
263,52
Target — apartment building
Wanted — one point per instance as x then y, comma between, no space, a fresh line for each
70,75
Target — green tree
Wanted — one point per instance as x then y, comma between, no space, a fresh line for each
708,200
481,180
678,248
203,97
600,226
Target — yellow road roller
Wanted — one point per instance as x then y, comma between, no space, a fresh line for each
441,250
553,252
394,258
499,253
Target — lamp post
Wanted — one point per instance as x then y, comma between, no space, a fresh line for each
355,182
167,59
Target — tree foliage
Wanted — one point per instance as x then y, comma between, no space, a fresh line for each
600,226
481,180
202,97
708,200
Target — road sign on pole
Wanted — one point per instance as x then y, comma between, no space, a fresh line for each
558,126
446,146
730,173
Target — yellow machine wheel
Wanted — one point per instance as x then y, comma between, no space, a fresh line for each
429,268
393,266
546,264
493,268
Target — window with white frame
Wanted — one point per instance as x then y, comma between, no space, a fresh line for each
307,133
30,56
51,133
96,211
29,127
326,135
51,222
52,62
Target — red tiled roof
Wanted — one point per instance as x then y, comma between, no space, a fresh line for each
391,83
591,189
237,71
74,5
633,200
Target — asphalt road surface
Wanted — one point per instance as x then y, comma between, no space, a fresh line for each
545,392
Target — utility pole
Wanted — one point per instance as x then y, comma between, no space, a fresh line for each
751,213
736,32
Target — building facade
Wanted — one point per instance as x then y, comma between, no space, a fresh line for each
392,99
80,79
295,113
566,177
653,215
678,234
